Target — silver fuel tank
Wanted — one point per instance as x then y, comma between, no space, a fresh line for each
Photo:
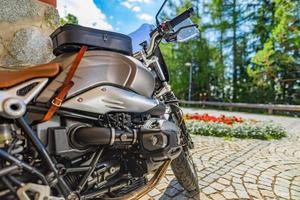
101,68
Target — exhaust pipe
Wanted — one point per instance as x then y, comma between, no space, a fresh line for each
82,136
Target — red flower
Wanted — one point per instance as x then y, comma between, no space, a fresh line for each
221,119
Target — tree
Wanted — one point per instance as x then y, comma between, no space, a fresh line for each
278,61
198,53
69,19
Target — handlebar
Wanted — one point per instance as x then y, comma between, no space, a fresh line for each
156,34
180,18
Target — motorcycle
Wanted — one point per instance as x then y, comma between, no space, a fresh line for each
100,121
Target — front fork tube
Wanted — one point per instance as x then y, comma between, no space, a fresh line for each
169,98
177,113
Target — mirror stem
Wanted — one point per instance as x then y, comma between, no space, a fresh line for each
159,11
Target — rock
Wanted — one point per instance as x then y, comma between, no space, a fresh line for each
52,17
31,46
1,49
14,10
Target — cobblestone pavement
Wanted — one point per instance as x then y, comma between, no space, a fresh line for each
241,169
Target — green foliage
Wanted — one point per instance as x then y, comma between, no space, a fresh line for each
69,19
201,54
246,130
277,60
248,52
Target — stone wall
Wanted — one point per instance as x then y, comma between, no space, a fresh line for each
25,26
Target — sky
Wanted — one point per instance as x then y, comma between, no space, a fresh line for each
124,16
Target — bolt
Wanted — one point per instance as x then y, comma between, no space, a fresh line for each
154,140
112,170
123,137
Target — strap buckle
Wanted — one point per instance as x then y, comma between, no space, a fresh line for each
57,102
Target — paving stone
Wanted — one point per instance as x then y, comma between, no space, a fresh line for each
217,186
209,190
217,197
265,183
242,194
229,189
250,186
191,194
253,171
281,193
154,192
164,197
249,180
242,169
157,197
203,197
223,181
238,186
264,187
267,193
237,180
180,197
161,186
295,194
250,176
237,171
254,193
146,197
229,195
282,181
236,175
295,187
171,192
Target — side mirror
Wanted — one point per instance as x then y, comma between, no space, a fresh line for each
159,11
186,30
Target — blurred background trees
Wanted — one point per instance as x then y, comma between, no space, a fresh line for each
69,19
248,51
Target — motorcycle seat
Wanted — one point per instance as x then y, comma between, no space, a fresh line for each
9,77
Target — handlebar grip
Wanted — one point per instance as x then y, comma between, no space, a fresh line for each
180,18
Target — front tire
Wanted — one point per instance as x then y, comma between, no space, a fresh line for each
185,171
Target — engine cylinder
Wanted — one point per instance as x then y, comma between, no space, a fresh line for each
91,136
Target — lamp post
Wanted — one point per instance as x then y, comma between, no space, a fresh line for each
188,64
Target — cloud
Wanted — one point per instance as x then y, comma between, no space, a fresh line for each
127,4
146,17
86,11
131,6
140,1
136,9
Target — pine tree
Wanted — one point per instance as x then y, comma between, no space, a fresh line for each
278,58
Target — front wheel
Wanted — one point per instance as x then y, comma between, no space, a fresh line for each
185,171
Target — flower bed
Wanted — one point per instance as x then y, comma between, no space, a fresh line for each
233,127
220,119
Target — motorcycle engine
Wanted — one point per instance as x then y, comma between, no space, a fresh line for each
133,145
144,148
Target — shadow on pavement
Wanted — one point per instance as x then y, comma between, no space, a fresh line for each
175,191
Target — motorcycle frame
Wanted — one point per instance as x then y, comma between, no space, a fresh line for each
51,163
58,171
